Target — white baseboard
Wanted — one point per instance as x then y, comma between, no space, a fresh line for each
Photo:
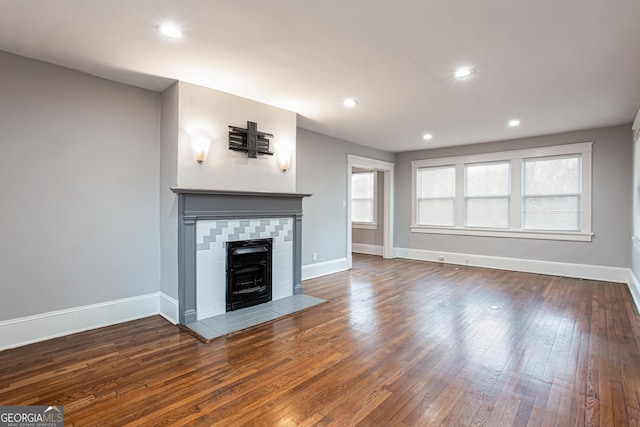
361,248
582,271
40,327
634,288
310,271
168,307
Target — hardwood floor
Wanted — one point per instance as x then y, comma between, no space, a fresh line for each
400,343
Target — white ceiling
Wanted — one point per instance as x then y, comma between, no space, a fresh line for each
557,65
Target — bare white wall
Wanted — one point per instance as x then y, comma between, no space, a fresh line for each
79,161
209,112
611,203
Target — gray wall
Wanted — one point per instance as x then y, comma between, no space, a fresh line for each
168,200
79,164
612,186
322,170
373,237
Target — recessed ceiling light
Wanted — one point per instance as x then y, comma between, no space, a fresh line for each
427,136
463,72
350,103
513,123
170,30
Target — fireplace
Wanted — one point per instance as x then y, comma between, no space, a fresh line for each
248,273
208,219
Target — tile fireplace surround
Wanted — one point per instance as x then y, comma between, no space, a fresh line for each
207,219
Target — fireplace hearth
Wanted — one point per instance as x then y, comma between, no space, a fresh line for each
248,273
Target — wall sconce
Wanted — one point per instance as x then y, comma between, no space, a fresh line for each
200,146
284,159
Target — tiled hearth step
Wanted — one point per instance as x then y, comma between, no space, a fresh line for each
234,321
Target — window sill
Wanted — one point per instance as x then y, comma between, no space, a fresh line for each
575,236
364,226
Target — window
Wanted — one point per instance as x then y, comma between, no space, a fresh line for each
436,196
363,198
551,194
487,193
538,193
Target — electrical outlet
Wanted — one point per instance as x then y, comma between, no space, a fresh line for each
314,256
344,203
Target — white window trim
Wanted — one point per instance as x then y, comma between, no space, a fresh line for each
516,157
374,224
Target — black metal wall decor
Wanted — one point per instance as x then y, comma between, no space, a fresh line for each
249,140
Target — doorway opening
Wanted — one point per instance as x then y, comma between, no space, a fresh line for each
369,207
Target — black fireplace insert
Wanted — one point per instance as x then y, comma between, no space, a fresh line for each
248,273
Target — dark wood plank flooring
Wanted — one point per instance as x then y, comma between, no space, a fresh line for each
401,343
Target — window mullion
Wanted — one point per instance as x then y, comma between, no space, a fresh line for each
460,193
515,213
